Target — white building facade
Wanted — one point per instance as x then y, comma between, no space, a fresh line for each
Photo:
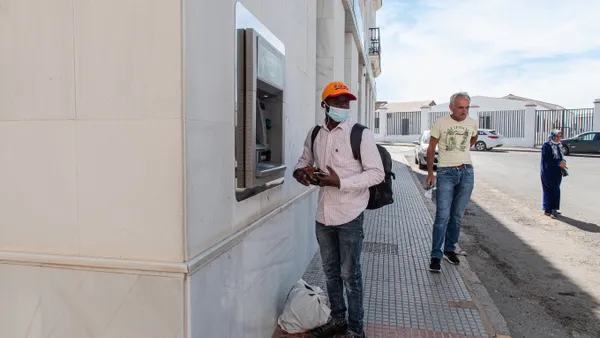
522,122
146,159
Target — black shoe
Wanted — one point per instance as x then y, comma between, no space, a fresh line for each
351,334
451,257
435,265
331,328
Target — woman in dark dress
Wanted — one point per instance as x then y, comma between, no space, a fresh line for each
551,162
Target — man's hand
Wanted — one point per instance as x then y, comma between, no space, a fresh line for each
430,180
563,164
331,180
301,176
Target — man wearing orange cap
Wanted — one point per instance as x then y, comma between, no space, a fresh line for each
343,197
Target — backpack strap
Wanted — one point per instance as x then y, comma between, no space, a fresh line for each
313,136
356,139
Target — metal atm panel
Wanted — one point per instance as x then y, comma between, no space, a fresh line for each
260,116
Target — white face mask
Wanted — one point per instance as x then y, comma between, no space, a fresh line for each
338,114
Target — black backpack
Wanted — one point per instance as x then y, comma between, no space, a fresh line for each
380,194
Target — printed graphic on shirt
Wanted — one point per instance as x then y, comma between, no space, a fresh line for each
457,138
454,140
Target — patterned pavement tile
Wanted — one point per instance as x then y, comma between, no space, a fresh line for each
401,297
383,331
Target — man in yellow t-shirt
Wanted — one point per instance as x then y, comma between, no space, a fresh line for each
454,135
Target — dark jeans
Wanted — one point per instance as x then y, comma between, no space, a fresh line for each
454,188
341,247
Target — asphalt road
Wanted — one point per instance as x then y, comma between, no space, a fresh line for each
517,173
542,274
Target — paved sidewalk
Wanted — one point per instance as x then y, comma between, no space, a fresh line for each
402,298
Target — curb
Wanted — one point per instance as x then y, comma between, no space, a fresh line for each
493,320
522,150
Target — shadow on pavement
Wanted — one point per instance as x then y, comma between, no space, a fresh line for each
589,227
535,298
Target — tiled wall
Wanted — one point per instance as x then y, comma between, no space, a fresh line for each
330,47
115,113
61,303
351,73
242,292
212,210
90,128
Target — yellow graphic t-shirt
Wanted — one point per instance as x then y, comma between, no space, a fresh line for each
454,140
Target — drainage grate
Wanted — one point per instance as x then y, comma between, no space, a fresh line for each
380,248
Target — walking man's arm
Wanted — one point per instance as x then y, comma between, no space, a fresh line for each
474,139
430,158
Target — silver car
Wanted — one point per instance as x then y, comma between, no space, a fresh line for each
421,146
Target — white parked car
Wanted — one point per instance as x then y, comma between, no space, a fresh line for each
421,146
487,139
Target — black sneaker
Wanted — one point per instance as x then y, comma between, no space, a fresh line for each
435,265
331,328
451,257
351,334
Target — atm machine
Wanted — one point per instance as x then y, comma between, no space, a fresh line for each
260,122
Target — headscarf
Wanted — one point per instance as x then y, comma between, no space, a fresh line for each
556,146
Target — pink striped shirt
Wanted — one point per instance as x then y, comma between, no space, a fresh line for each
332,148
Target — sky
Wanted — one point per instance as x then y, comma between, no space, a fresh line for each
545,50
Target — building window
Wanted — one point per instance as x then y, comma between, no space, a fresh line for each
485,122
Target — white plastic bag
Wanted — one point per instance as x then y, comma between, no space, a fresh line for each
305,309
429,192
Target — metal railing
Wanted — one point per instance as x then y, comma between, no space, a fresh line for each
375,47
508,123
436,115
571,122
404,123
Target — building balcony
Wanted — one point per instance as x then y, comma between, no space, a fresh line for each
375,51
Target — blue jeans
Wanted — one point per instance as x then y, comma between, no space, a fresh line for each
454,188
341,247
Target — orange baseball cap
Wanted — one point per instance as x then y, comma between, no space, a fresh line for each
336,89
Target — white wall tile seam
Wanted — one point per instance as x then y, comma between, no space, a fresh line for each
142,266
184,148
134,267
74,50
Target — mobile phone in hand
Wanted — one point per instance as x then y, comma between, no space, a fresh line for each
320,172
